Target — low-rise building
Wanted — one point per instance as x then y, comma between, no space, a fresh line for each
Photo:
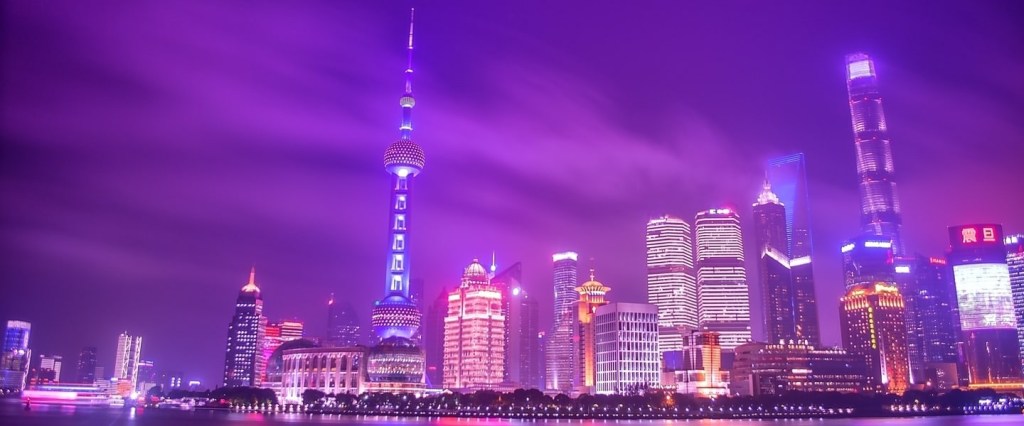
329,370
766,368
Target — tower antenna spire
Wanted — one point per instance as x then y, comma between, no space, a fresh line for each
408,68
407,100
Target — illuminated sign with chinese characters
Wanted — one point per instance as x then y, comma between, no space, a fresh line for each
980,235
984,295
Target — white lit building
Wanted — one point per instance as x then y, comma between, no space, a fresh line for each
627,348
329,370
560,356
723,298
671,282
126,359
474,333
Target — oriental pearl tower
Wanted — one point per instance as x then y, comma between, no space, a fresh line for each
396,363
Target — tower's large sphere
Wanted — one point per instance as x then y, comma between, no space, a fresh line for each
395,316
404,157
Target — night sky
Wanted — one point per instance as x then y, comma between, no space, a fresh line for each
154,151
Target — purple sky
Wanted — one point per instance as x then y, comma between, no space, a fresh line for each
153,151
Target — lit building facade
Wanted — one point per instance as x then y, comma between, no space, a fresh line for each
874,327
506,281
627,348
723,299
868,259
700,371
433,339
46,371
86,365
396,318
879,201
126,359
774,369
790,307
788,175
978,257
474,333
331,370
245,333
1015,265
16,356
933,320
342,324
560,359
591,295
671,281
526,348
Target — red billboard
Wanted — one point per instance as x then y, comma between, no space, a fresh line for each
976,236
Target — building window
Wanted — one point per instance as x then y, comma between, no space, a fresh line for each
400,203
400,222
396,263
399,243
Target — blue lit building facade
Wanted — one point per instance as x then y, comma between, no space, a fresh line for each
14,360
788,177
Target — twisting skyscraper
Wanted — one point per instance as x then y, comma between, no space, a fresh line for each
671,282
723,299
245,335
396,364
879,203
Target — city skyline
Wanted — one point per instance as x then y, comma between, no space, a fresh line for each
140,216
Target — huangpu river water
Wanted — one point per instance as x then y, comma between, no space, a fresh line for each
15,415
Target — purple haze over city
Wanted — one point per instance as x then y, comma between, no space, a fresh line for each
154,151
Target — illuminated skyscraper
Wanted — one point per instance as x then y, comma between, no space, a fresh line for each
790,307
723,299
933,321
788,176
396,364
671,281
87,365
591,296
867,260
527,355
342,324
16,356
474,333
505,281
978,257
873,326
433,339
1015,263
126,359
245,333
560,358
773,267
879,202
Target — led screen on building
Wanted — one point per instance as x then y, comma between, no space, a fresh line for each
983,292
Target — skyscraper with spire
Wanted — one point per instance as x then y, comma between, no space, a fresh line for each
396,363
245,333
879,202
790,307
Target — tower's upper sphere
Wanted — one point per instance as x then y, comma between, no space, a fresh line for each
404,157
